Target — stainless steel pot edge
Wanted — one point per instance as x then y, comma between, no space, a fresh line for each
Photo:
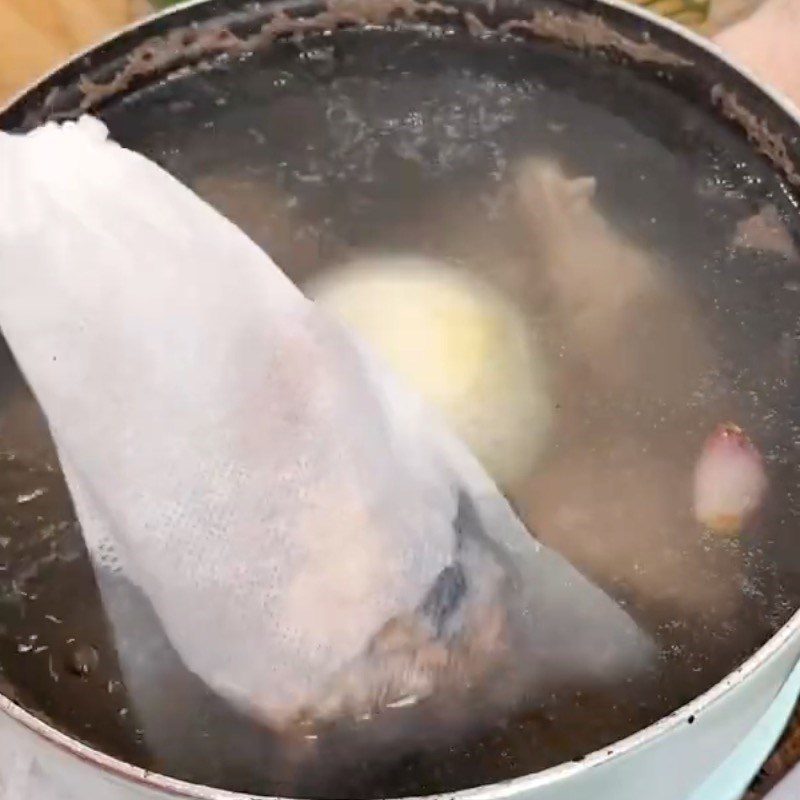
771,650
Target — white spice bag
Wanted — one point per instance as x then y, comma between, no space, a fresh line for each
311,539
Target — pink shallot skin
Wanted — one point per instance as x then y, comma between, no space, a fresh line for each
729,481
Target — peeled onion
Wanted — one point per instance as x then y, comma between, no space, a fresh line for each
458,343
729,482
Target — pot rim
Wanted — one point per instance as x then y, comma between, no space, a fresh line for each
770,651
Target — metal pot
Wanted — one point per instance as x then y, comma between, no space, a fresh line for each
187,88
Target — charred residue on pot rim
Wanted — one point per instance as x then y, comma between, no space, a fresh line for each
198,33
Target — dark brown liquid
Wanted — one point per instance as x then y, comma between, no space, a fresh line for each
366,147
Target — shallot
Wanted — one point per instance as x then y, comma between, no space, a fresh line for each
729,481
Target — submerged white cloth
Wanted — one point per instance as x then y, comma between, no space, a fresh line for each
312,540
